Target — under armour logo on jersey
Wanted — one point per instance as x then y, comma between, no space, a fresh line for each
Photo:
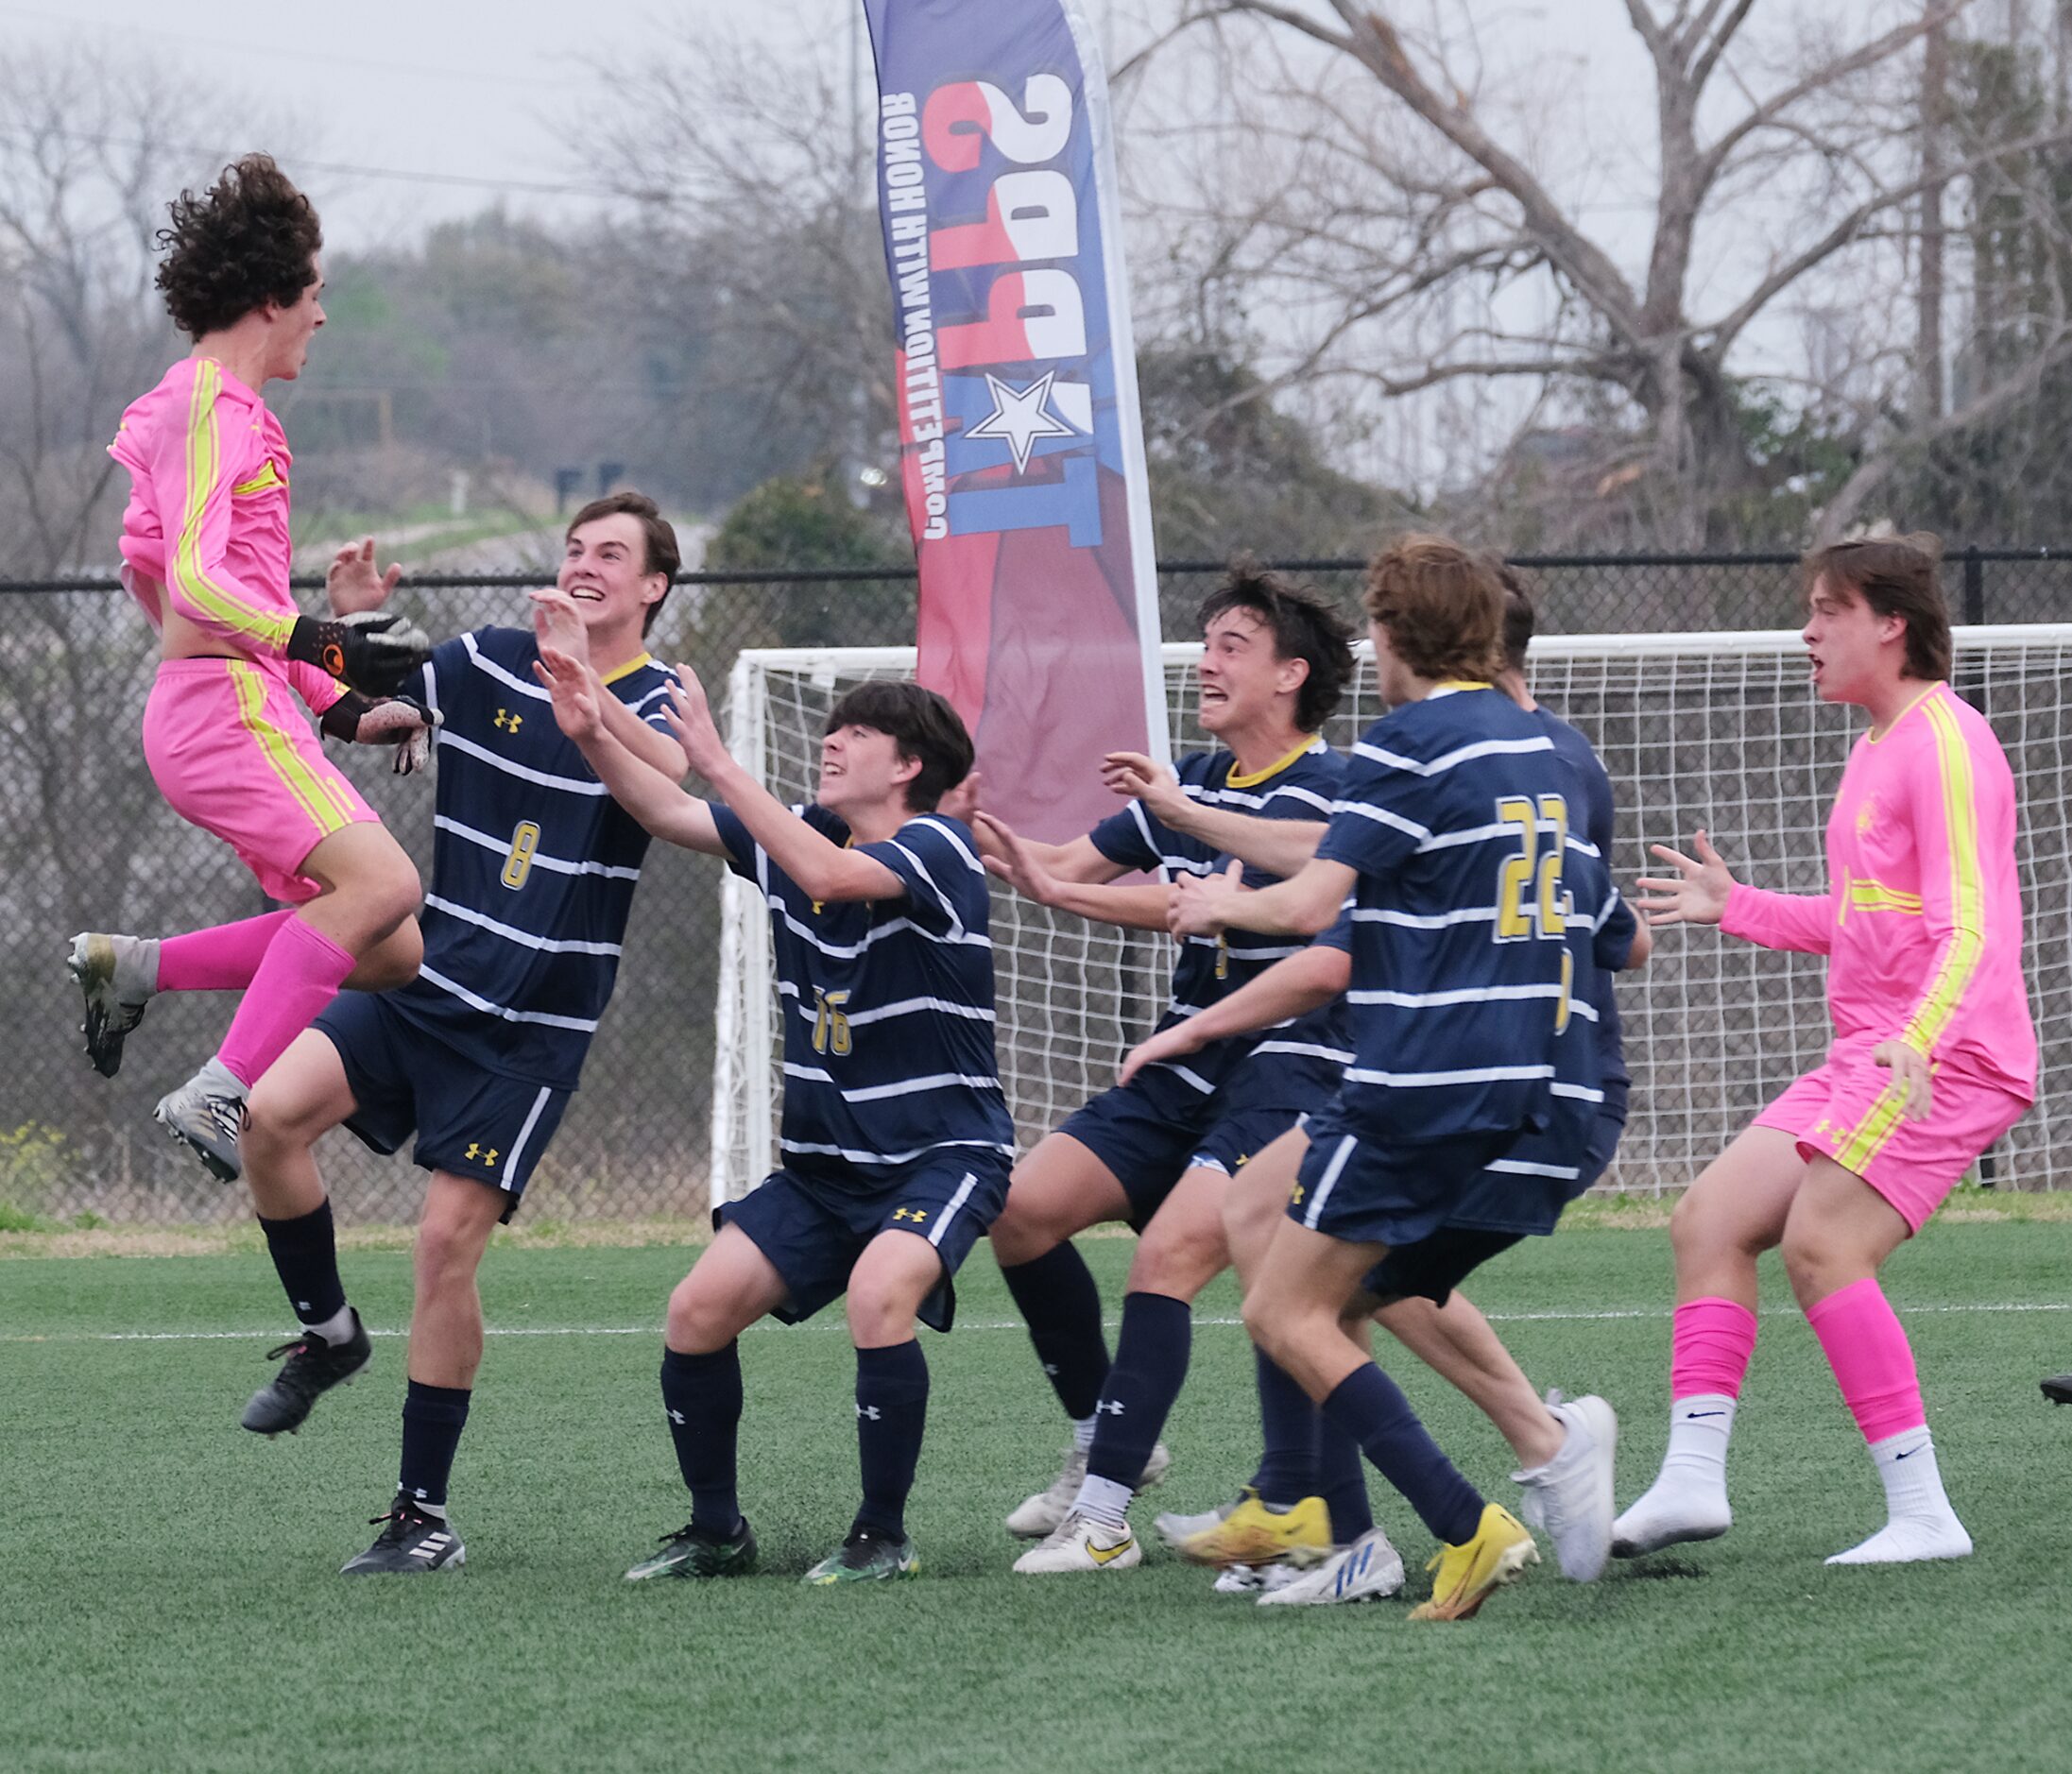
506,721
871,1411
915,1214
488,1158
676,1417
1112,1405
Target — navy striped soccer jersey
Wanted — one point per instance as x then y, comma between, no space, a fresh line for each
1456,813
887,1006
1293,1065
533,864
1598,827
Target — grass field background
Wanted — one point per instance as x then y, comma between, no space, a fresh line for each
171,1600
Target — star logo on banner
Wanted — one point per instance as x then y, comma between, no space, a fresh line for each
1021,415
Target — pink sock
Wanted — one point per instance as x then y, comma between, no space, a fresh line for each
301,973
219,960
1710,1347
1871,1359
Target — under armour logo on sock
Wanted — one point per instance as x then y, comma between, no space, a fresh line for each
1114,1408
677,1417
871,1411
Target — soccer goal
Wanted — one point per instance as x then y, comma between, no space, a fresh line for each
1719,730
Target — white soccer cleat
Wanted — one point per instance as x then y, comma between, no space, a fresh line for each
1569,1499
1173,1527
1080,1544
1042,1514
1367,1570
1910,1542
1241,1579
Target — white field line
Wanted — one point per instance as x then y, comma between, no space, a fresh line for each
833,1322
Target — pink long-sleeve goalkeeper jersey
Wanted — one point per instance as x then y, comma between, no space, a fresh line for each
207,523
1922,919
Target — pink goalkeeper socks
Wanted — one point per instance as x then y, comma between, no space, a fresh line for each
1870,1357
1710,1348
219,960
301,973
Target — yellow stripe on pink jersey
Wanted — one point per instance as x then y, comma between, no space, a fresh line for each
1923,925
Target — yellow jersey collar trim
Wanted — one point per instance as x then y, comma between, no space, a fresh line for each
1447,686
1236,782
629,667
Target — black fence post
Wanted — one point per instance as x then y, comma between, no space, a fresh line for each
1975,586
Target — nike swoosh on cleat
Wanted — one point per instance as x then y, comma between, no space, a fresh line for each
1106,1555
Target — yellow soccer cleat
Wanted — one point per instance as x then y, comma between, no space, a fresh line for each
1498,1554
1254,1534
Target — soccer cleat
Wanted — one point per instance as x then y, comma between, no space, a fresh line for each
2058,1390
207,1115
1367,1570
412,1541
694,1551
1496,1554
119,975
1040,1515
1080,1543
1173,1527
1569,1499
311,1368
864,1558
1254,1534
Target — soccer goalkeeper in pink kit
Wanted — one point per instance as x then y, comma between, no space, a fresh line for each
205,550
1934,1055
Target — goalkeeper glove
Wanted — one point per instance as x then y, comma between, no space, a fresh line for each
403,722
371,652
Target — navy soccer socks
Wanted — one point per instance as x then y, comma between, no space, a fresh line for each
306,1256
891,1414
701,1395
1370,1407
1059,1300
433,1418
1151,1357
1288,1421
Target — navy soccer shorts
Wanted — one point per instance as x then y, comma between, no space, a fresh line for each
472,1122
1364,1191
812,1231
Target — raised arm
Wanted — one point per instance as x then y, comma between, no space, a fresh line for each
1279,846
1703,891
658,802
557,624
1025,866
1305,905
1288,989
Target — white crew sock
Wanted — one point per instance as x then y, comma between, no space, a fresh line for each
1104,1501
335,1329
1083,1432
1688,1499
1921,1524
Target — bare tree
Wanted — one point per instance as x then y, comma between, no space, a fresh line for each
1416,244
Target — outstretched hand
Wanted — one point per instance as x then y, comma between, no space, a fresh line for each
353,583
1012,860
576,710
557,624
1168,1044
1134,775
690,718
1697,893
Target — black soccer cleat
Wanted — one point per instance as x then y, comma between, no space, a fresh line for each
2059,1388
311,1368
694,1551
410,1540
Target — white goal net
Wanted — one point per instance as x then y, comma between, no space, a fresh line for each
1719,730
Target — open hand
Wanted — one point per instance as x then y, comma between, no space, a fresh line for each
1134,775
689,717
557,624
1697,891
576,710
1014,862
1200,905
353,584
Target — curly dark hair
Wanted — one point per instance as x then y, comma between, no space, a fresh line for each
1304,627
251,239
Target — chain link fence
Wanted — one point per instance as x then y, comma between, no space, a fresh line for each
89,844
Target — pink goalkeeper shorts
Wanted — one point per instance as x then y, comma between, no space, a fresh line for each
231,747
1847,1110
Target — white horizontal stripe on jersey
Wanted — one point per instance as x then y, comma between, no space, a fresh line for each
1238,797
1520,1166
848,951
510,932
886,1013
653,695
582,1025
942,899
1422,920
568,785
553,864
1307,1049
905,1087
1582,1093
1459,995
1381,817
1439,766
850,1155
947,833
489,667
1194,1078
1436,1080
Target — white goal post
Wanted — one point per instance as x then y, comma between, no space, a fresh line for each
1719,730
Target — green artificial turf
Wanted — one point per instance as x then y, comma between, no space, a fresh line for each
170,1599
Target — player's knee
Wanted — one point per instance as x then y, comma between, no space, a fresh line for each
395,962
280,1128
1698,1228
696,1324
1816,1262
1264,1324
879,1316
1179,1263
1021,1237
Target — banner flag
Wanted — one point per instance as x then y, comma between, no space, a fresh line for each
1020,447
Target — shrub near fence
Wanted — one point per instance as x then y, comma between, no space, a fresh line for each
90,845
